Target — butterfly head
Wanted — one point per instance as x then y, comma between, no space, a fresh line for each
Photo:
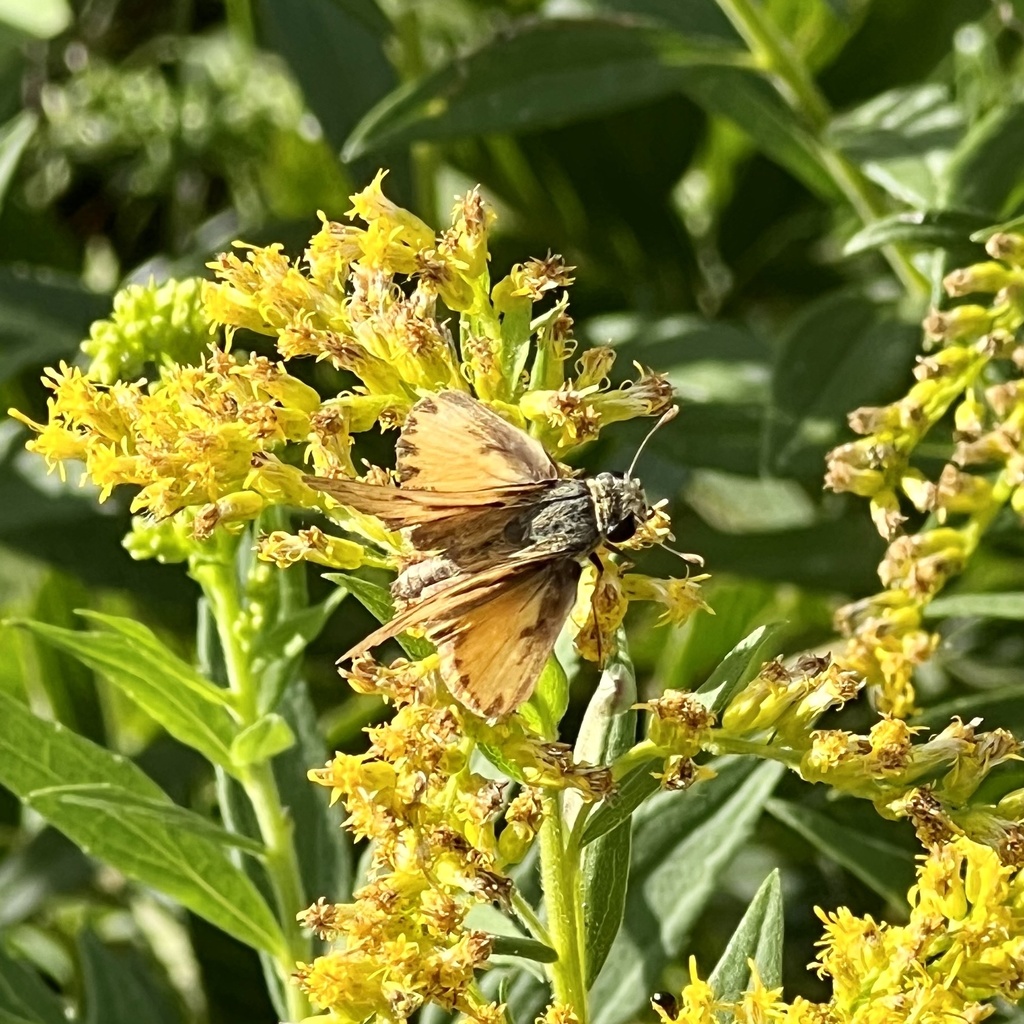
620,505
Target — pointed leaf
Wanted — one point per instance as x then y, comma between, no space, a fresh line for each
547,704
539,74
932,229
608,730
681,844
264,739
164,686
740,665
758,937
112,801
278,651
638,786
528,949
24,997
884,867
121,988
39,760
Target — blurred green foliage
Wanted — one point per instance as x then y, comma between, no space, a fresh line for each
760,199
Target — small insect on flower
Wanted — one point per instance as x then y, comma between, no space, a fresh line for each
498,535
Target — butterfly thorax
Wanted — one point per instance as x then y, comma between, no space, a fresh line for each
561,522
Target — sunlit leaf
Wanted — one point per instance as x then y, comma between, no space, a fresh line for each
758,938
41,762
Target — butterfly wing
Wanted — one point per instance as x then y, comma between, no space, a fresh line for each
452,442
494,630
399,507
493,655
471,473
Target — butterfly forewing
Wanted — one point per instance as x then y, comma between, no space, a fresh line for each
451,442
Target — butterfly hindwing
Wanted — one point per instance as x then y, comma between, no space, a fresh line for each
452,442
494,630
493,654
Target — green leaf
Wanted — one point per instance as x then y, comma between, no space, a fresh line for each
984,173
903,140
335,50
539,74
325,851
528,949
681,844
608,730
705,360
931,229
547,704
265,738
278,651
40,760
43,317
740,665
377,601
14,137
758,937
840,352
121,988
24,997
755,106
631,792
986,606
884,867
113,801
133,659
693,652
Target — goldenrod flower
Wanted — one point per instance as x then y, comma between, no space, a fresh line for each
988,412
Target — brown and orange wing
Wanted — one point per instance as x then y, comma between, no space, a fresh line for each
494,630
399,507
452,442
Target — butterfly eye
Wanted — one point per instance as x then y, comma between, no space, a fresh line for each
623,529
667,1002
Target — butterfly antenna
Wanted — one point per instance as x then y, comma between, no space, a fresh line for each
667,417
687,556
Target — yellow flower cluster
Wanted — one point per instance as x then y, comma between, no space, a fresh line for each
976,373
437,851
931,782
963,944
215,439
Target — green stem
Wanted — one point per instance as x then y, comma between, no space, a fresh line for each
220,585
773,52
560,880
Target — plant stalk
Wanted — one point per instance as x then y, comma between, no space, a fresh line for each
773,52
220,585
560,879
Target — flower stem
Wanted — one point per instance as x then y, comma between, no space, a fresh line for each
220,584
560,879
773,52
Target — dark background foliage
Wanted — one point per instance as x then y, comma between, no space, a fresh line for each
715,237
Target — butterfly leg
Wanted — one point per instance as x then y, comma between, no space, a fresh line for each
595,560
